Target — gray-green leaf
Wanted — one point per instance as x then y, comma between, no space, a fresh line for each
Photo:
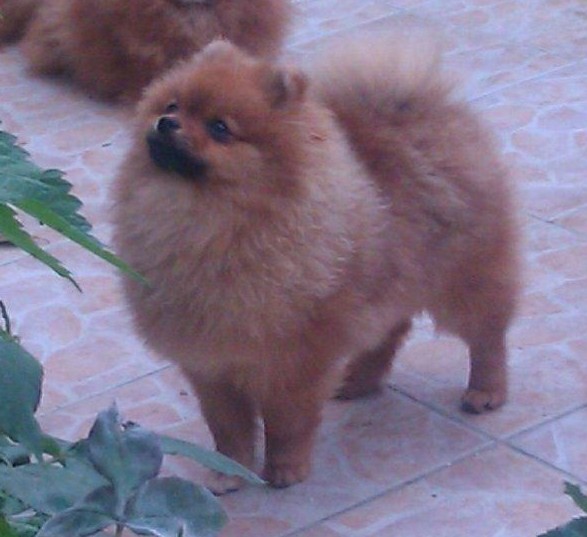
576,528
127,457
45,195
5,529
172,507
22,179
13,231
21,377
92,514
210,459
48,488
575,493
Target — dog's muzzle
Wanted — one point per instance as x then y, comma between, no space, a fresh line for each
169,152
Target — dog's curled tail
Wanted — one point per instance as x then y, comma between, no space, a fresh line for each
14,18
381,71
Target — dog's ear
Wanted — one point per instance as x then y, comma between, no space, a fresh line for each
286,87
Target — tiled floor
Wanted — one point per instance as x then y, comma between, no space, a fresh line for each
407,463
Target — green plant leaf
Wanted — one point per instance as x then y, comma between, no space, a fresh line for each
126,456
10,506
210,459
5,529
21,377
27,526
172,507
12,230
40,211
575,528
22,179
48,488
45,195
92,514
578,497
11,453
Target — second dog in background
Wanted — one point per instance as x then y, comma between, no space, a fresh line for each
114,48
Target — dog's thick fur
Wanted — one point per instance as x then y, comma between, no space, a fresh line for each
325,216
114,48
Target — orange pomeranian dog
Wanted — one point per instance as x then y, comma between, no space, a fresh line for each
114,48
287,220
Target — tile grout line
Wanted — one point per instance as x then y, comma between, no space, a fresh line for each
507,440
565,62
552,222
436,469
332,33
544,463
489,443
105,392
569,63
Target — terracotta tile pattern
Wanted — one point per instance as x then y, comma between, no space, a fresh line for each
407,463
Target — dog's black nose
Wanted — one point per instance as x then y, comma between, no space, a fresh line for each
167,124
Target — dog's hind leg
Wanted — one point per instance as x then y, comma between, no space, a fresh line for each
365,371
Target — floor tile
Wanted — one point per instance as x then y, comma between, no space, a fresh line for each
540,23
497,493
317,18
562,442
542,139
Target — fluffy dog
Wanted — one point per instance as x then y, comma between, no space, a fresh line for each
285,220
114,48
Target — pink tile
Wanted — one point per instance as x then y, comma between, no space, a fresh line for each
568,262
545,380
557,26
575,220
574,294
554,201
562,442
495,493
56,325
328,16
142,401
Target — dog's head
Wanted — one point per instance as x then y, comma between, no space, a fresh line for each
225,118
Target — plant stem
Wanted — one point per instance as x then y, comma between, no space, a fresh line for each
119,530
5,318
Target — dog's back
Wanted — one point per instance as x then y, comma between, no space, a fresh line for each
431,156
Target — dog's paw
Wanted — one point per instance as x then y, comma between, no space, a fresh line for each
219,484
284,475
479,401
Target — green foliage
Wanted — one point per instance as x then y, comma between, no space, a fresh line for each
21,377
578,526
210,459
45,195
113,453
578,497
128,458
109,479
20,385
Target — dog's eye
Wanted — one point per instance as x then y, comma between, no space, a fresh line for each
219,131
171,108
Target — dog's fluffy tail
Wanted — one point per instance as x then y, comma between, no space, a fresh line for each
14,18
382,71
